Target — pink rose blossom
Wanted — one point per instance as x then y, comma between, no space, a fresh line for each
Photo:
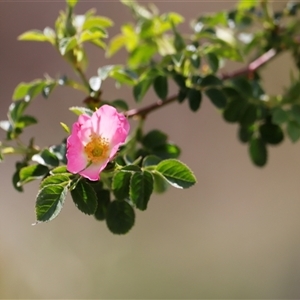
95,140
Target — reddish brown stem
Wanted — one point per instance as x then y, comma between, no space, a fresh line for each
143,112
252,67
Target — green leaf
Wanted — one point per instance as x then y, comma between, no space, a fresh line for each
160,85
57,179
49,202
214,19
177,59
33,35
140,89
182,94
279,116
120,184
176,173
160,184
217,97
225,50
65,127
72,3
243,86
77,110
67,44
88,35
46,158
257,89
232,94
28,90
195,98
32,172
21,90
60,152
195,60
123,76
234,110
24,121
121,104
116,44
8,150
131,168
154,138
179,43
213,62
258,152
271,133
173,18
16,180
246,4
180,80
165,46
103,198
59,170
295,113
99,43
249,116
119,217
84,197
97,21
141,187
151,160
245,134
141,55
293,130
167,151
195,80
210,80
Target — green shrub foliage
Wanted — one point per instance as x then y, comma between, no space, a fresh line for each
159,56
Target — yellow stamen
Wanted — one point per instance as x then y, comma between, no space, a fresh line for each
97,149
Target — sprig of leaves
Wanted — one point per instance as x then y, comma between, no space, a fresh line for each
159,57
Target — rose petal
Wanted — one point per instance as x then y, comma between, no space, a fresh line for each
76,159
106,121
92,172
85,130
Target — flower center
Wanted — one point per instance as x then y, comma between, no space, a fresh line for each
97,149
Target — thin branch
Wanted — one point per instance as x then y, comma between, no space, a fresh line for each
252,67
144,111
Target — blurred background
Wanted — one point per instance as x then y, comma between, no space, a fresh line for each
233,235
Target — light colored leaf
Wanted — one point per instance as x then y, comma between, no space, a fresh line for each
116,44
67,44
72,3
89,36
97,21
65,127
77,110
33,35
95,83
246,4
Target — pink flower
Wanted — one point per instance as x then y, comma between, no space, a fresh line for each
95,140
